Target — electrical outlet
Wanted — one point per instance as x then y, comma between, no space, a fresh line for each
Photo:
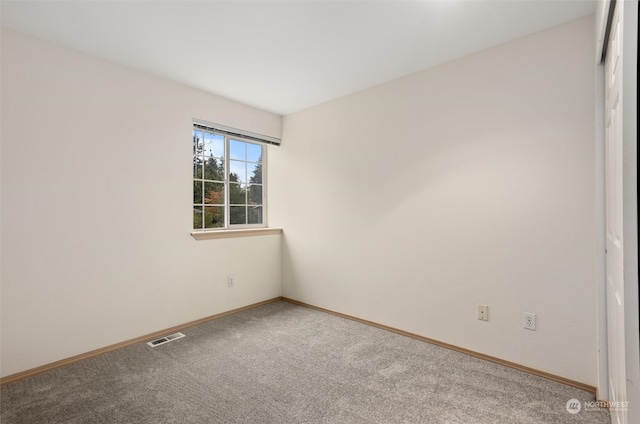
529,321
231,281
483,312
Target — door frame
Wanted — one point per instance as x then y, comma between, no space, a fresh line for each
630,206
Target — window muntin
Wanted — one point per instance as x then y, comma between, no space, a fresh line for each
228,188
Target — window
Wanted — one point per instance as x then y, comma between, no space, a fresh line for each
228,183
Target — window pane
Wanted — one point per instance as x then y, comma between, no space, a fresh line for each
237,171
214,193
255,194
255,215
237,215
197,218
197,168
213,216
255,171
237,150
213,145
214,169
197,192
237,194
198,143
254,152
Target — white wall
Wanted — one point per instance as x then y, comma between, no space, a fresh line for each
96,215
472,182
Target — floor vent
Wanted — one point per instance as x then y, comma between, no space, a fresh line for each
165,339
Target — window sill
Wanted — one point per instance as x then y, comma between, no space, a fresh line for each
247,232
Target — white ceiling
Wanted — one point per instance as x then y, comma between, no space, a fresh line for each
284,56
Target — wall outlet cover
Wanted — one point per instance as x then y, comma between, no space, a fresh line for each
529,321
483,312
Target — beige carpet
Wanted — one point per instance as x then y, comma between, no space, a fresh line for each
282,363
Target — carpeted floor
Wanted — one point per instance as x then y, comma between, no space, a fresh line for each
283,363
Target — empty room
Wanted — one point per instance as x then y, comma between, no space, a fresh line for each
395,212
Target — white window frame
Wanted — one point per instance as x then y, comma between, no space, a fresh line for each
229,134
